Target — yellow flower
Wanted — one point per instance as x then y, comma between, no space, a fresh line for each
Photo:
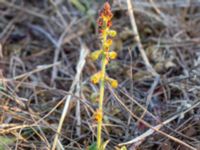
95,55
96,78
113,82
98,115
112,55
106,61
112,33
107,44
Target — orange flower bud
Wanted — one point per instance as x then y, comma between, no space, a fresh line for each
106,15
109,24
107,6
100,22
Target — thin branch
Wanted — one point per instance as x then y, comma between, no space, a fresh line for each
137,39
84,52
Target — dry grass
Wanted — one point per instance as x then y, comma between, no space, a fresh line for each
43,75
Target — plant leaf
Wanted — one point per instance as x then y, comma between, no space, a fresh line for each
93,146
103,146
123,148
78,5
5,141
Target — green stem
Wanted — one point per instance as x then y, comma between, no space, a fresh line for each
102,89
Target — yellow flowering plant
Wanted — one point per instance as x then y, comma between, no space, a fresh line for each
105,34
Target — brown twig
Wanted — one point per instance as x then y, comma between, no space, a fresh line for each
137,39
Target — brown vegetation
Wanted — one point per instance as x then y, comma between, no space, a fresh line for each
45,74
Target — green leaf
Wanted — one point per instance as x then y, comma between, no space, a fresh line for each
78,5
5,141
103,146
93,146
123,148
1,87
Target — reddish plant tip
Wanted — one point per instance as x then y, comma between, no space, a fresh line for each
107,6
100,31
100,22
106,11
109,23
105,16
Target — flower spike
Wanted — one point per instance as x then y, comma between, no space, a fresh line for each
105,33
